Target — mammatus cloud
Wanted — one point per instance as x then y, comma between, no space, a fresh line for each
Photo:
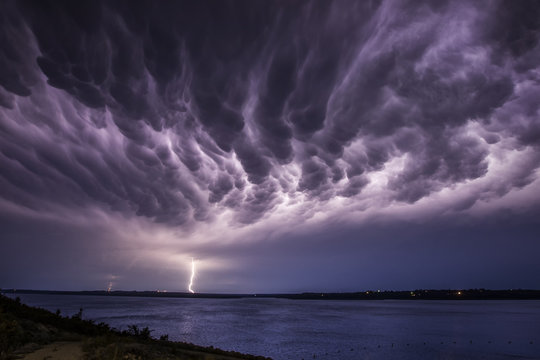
244,114
143,111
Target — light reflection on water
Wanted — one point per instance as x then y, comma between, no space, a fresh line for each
296,329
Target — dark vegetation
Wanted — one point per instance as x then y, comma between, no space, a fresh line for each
422,294
23,326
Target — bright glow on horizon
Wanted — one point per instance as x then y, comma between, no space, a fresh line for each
192,276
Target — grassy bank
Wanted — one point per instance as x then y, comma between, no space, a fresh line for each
25,329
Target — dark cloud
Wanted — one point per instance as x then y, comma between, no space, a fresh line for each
440,163
250,134
314,175
515,28
220,188
170,111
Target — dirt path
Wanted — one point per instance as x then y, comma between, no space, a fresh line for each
57,351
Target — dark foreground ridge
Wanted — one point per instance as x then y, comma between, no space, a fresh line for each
25,329
423,294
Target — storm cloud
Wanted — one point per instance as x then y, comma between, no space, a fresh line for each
193,113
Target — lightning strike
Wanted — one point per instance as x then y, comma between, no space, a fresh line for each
192,276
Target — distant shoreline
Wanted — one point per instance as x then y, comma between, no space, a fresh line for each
460,294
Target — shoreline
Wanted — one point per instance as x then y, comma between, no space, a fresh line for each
421,294
30,333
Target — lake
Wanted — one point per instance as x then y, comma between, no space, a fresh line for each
302,329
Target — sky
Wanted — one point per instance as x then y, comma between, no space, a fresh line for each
285,146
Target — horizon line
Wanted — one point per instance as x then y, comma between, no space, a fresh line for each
367,291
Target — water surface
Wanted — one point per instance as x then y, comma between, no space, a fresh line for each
296,329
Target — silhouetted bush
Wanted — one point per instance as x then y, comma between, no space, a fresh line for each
143,333
78,316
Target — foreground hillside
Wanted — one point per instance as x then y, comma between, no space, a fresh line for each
35,334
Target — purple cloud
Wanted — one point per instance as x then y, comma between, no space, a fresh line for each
242,115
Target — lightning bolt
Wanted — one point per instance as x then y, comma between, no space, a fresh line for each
192,276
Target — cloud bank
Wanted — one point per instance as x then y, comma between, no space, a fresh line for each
220,120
